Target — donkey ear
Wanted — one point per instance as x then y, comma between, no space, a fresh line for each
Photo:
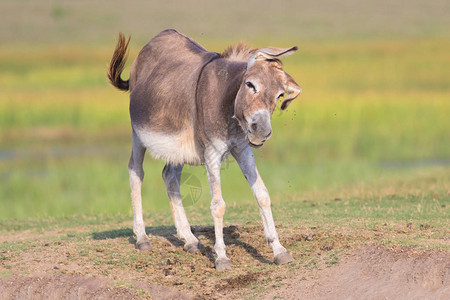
292,91
270,53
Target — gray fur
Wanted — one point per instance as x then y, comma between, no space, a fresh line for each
192,106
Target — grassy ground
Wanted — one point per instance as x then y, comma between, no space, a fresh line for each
316,228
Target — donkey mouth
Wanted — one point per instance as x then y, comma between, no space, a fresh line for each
253,145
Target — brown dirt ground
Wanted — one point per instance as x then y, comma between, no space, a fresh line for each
78,287
375,272
87,263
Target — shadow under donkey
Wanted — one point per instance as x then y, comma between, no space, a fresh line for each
231,237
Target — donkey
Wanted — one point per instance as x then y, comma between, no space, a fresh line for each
192,106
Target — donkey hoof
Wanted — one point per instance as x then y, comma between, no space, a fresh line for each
223,264
191,248
283,258
144,246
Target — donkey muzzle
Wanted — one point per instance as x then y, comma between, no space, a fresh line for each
259,129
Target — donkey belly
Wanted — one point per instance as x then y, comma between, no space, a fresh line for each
175,148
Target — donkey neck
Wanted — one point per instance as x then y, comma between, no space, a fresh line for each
229,75
218,85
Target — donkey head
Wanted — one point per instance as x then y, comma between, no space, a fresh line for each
264,83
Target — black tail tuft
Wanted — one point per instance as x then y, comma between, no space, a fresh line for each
117,64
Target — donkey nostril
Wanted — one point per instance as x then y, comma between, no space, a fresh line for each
254,126
267,136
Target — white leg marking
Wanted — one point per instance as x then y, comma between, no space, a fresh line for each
136,176
213,157
172,176
246,160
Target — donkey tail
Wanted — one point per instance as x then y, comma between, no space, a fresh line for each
118,63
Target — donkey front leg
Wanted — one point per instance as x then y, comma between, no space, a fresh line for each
172,176
246,160
213,162
136,176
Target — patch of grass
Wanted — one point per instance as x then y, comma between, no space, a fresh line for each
312,264
15,248
5,274
332,260
141,293
124,284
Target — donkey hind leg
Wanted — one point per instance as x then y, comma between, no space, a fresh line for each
136,176
246,161
213,162
172,176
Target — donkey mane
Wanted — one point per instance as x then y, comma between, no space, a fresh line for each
238,52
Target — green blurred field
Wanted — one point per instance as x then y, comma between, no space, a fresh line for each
375,107
369,110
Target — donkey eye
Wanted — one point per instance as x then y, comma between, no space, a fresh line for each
251,86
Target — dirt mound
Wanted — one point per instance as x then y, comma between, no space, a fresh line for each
376,272
79,287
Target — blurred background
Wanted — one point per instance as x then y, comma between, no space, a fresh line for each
375,102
